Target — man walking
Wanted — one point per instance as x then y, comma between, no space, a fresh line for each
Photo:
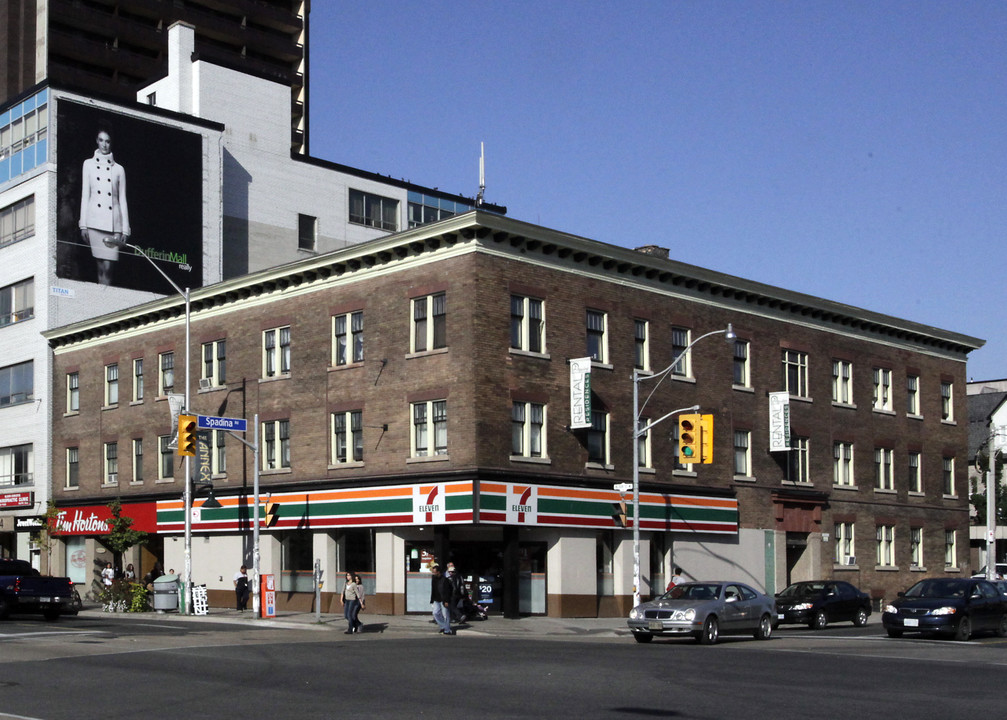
440,599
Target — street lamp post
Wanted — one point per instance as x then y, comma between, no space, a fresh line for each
638,432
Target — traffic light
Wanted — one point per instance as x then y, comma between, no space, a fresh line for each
619,513
187,442
706,438
270,514
688,438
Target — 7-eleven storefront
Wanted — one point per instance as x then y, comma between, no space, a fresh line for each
536,549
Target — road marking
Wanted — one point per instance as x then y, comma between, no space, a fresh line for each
51,632
7,716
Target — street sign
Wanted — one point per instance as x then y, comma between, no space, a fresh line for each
623,487
210,422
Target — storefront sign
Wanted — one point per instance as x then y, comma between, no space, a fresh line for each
16,500
779,421
580,393
28,524
93,519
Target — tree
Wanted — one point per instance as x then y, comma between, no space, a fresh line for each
978,499
121,535
46,535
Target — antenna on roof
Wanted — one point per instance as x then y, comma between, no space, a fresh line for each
482,174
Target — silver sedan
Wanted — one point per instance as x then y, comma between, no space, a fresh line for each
705,610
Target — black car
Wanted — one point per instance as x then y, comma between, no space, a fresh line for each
817,603
950,606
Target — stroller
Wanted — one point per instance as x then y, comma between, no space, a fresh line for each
469,610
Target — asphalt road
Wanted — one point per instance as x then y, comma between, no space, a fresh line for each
109,668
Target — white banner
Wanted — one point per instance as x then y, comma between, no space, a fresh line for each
779,421
580,393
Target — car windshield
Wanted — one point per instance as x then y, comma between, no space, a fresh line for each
938,589
803,590
693,591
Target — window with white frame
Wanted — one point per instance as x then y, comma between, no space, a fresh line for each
72,392
528,430
643,456
218,452
17,383
915,476
884,468
527,324
641,344
882,389
742,364
842,466
950,549
916,547
845,553
112,384
275,444
137,379
17,302
886,545
307,232
913,395
680,339
166,373
348,338
795,372
742,453
347,436
798,470
17,221
597,438
166,458
16,465
111,463
597,337
72,479
374,211
276,352
430,428
429,329
948,475
215,363
842,382
947,402
137,460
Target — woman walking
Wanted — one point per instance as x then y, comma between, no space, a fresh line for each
353,600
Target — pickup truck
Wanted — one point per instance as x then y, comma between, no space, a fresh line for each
24,590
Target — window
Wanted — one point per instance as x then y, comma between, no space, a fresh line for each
795,373
845,552
643,455
950,549
276,352
112,384
528,430
884,469
307,232
17,383
597,438
16,465
17,221
111,463
425,209
429,323
166,380
742,453
680,338
913,394
886,545
527,324
374,211
742,367
916,547
948,484
947,402
882,389
348,338
296,561
72,392
72,468
166,467
137,379
275,444
218,452
797,460
17,302
597,345
842,467
347,437
842,382
430,423
915,478
138,460
215,363
641,340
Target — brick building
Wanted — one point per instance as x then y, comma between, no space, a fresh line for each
413,400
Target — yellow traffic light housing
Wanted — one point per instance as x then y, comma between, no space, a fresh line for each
619,513
270,513
187,442
688,438
706,439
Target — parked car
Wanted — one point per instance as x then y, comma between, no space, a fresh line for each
24,590
1000,570
951,606
705,610
816,603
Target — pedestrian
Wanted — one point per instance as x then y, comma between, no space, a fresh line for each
352,599
440,599
107,575
241,589
676,578
130,573
363,603
457,593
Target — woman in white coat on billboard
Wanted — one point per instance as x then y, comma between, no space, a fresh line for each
104,214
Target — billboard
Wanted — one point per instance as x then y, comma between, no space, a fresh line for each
122,179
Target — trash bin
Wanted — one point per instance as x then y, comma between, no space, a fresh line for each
166,593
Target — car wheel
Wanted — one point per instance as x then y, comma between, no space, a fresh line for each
642,637
860,619
1002,626
964,629
819,621
710,631
894,632
765,629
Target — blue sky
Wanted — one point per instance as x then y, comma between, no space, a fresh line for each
850,150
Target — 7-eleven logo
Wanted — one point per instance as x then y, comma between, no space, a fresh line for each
521,505
429,504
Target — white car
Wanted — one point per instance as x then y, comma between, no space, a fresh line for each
1000,574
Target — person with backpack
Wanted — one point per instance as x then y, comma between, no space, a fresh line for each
241,589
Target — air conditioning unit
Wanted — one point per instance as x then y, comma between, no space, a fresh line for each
205,384
851,560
